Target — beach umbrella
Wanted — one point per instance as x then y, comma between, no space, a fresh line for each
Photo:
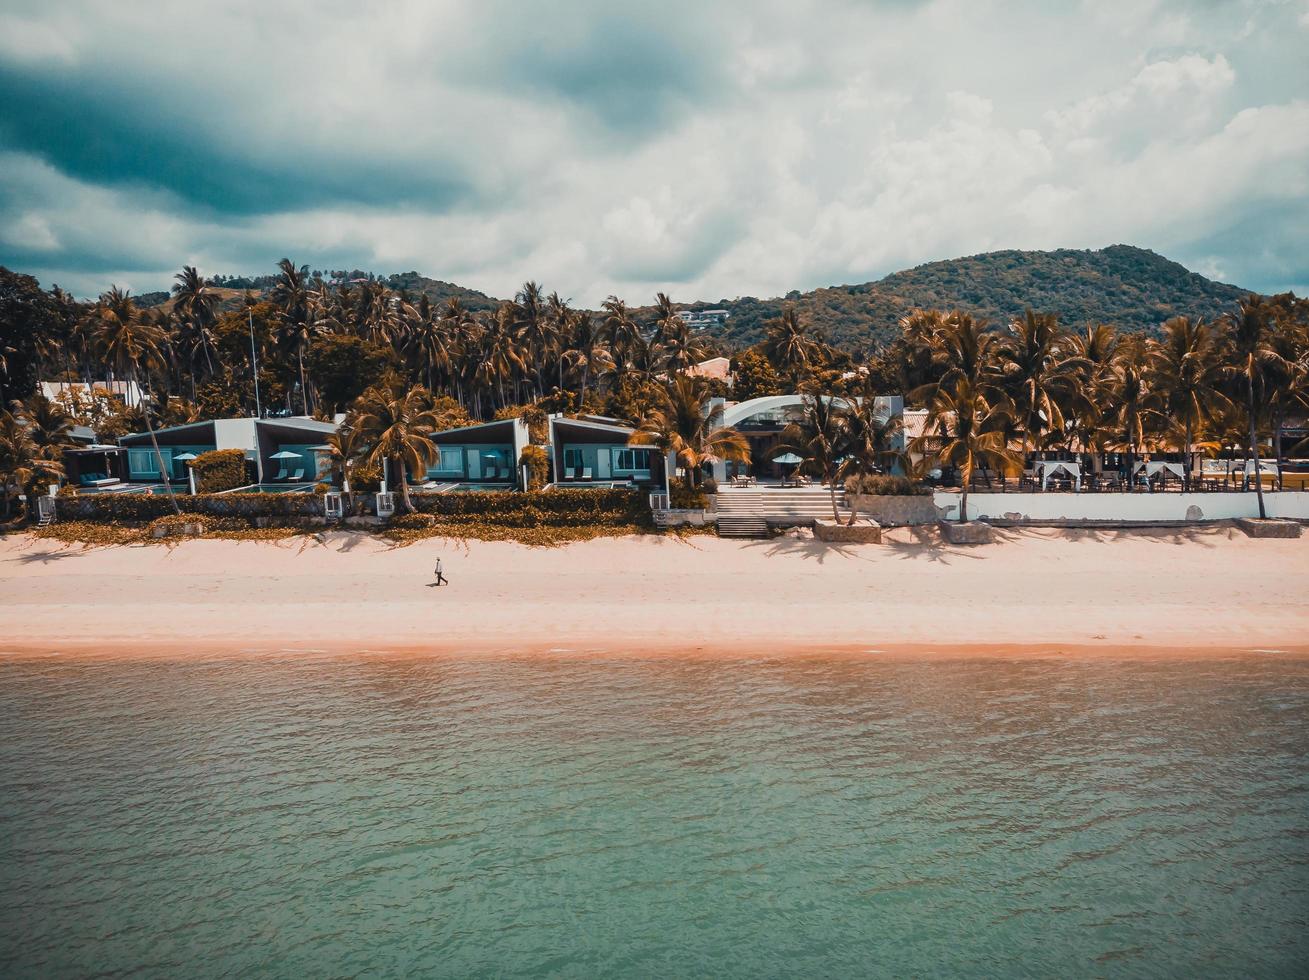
186,456
285,455
789,459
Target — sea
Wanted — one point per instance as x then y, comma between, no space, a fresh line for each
375,816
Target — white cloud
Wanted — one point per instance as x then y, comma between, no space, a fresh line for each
695,151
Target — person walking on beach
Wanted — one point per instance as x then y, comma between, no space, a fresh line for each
440,579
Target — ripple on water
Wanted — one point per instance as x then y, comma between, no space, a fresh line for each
329,816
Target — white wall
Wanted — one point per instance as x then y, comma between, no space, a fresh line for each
1129,507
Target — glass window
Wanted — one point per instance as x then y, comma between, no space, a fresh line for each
632,459
142,462
451,461
573,458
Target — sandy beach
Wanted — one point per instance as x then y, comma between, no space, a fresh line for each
1192,591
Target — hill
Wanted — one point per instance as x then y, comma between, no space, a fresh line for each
1133,288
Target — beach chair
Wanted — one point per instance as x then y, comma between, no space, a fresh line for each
570,473
586,472
298,475
281,474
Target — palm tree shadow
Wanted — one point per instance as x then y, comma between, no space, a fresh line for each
46,557
808,548
926,543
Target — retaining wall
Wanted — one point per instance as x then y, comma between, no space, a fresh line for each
1121,508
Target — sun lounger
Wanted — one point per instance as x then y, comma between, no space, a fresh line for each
281,474
586,473
298,475
570,473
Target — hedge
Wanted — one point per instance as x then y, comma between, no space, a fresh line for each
557,508
220,469
886,486
147,507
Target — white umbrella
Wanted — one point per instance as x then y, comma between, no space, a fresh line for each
285,455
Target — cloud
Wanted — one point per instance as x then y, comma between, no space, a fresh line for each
709,150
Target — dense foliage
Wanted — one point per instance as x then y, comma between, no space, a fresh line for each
222,469
879,485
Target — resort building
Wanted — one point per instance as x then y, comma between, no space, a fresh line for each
103,396
484,455
762,422
287,451
593,450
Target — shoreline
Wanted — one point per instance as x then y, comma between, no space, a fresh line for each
1198,592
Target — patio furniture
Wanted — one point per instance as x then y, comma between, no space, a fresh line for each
281,474
298,475
586,472
1152,470
569,473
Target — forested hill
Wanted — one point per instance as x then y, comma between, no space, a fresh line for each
1130,287
1133,288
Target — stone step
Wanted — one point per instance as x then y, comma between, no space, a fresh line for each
742,527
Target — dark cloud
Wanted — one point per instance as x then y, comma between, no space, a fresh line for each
109,128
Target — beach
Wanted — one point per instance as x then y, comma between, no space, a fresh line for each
1190,592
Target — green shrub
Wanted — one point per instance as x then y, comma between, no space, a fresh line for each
537,461
886,486
554,508
220,469
680,498
365,479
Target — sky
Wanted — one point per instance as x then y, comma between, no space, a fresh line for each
709,150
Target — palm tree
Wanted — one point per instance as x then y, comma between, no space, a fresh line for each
1040,377
1251,357
502,355
346,446
1135,413
195,304
821,439
586,349
1187,379
396,425
678,347
622,333
970,426
132,348
789,344
23,464
1095,349
291,292
684,425
869,443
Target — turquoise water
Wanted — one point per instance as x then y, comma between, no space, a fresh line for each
389,817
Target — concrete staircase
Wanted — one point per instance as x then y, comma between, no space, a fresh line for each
750,513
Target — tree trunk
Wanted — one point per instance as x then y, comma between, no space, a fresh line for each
405,501
304,392
963,503
1277,445
1186,459
1254,452
159,457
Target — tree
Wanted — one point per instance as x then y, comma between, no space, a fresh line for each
26,315
344,367
346,446
396,425
821,439
1040,377
1188,376
1251,358
132,347
753,376
683,425
195,304
969,425
23,465
789,344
